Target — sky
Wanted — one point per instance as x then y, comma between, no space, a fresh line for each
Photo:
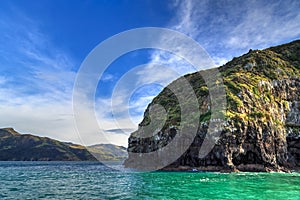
44,43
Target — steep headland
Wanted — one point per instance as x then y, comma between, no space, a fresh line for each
262,127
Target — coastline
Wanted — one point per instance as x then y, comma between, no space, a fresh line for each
240,168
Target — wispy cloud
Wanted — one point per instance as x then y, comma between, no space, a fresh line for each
265,23
162,69
119,131
229,28
107,77
36,80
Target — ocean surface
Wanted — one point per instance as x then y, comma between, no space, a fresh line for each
85,180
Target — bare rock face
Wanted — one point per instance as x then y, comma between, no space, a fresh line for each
261,130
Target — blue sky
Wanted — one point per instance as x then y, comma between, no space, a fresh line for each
43,44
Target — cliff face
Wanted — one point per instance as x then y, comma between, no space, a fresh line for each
262,127
25,147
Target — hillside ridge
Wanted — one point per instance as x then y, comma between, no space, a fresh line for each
15,146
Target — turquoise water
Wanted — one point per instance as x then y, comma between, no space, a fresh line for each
71,180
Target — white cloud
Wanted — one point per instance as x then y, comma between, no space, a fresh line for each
266,24
51,120
36,91
119,111
219,61
230,28
107,77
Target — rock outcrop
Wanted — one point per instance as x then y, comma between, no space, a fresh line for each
261,130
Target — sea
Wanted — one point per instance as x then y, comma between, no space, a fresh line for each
93,180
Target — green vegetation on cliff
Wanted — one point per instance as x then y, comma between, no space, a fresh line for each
263,110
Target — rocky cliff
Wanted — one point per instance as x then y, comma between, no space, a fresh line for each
261,130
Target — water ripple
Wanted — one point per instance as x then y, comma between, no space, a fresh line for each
71,180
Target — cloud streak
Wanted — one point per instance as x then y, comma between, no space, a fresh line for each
36,81
236,26
265,23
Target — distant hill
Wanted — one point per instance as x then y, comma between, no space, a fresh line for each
26,147
105,152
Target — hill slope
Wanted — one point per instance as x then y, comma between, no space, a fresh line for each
25,147
108,152
262,127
